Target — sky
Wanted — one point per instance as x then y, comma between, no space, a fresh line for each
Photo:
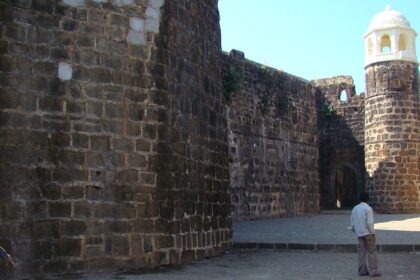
312,39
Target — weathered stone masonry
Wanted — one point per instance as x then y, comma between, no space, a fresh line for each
118,148
287,157
193,165
341,147
113,147
393,136
273,142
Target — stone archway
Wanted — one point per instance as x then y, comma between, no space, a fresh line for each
345,186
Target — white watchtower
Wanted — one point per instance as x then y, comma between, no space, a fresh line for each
389,37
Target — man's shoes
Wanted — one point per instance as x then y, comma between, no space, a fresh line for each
376,275
364,274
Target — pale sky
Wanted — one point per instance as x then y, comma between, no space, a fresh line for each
312,39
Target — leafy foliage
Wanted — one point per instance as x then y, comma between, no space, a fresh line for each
328,110
265,104
231,83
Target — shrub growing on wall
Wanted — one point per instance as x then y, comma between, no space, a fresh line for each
231,83
264,104
328,110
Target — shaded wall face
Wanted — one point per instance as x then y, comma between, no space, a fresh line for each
392,133
193,169
345,188
341,128
273,143
105,158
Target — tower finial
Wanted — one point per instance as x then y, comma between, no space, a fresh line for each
388,8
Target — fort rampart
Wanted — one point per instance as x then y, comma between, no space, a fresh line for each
112,134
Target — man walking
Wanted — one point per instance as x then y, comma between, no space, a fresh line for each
362,226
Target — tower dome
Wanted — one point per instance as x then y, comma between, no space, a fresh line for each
388,19
389,37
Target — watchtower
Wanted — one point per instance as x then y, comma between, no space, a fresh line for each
392,118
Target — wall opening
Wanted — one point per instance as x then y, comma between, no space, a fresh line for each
345,187
385,44
343,96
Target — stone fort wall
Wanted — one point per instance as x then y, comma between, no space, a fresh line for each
113,150
341,148
120,149
273,142
288,155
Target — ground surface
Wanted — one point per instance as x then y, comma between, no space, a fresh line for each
272,265
330,227
327,228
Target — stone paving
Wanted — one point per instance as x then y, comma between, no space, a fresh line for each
330,229
271,265
401,231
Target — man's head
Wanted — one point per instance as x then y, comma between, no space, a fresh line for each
364,197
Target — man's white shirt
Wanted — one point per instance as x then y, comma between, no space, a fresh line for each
362,220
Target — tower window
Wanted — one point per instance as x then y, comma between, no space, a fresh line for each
396,84
385,44
402,42
343,96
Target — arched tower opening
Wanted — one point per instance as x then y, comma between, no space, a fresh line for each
346,183
344,96
385,44
345,187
